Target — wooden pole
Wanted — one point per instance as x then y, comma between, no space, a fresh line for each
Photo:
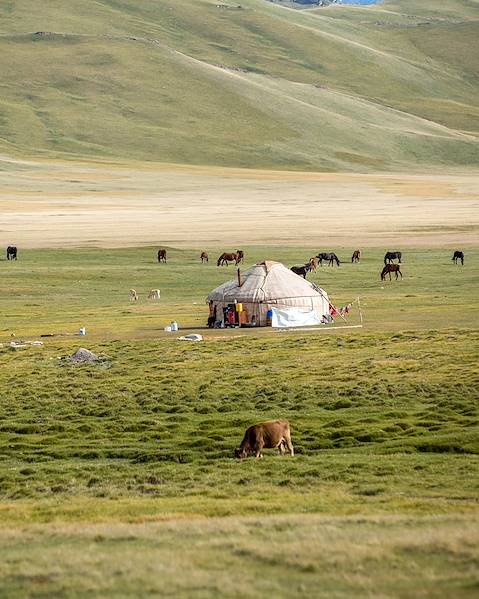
360,312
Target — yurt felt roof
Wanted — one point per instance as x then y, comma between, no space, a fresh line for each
265,282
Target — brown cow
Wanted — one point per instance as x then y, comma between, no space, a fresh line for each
270,435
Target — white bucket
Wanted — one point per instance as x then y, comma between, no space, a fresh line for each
82,331
174,325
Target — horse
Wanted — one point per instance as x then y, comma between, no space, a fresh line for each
356,257
390,256
458,255
313,262
302,271
154,294
133,295
329,257
240,257
227,257
204,257
11,252
161,255
388,269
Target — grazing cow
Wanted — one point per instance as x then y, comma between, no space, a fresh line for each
11,252
329,257
204,257
154,294
270,435
133,296
390,256
388,269
239,256
302,271
458,255
356,257
161,255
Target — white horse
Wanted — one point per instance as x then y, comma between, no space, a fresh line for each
133,296
154,294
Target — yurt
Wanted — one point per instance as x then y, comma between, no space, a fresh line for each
268,294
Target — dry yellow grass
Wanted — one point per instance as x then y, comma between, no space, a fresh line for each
63,204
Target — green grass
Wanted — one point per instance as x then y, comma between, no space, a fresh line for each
387,88
119,476
57,291
288,557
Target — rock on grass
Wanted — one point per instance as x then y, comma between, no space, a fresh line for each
83,356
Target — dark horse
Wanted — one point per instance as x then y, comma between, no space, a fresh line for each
302,271
161,255
240,255
388,269
356,257
204,257
390,256
11,252
329,257
458,255
228,257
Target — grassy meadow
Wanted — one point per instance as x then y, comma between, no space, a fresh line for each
388,87
119,476
117,479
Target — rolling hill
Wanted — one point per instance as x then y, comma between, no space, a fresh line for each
242,83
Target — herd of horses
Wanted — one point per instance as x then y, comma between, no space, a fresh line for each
329,258
225,258
389,266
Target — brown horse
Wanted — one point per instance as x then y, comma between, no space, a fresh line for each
227,257
388,269
204,257
240,257
356,257
161,255
313,262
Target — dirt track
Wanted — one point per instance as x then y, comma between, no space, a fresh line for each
59,204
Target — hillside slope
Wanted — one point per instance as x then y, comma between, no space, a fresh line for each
250,84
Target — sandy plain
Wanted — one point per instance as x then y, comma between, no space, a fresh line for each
46,203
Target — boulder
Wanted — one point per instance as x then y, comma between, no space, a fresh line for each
83,356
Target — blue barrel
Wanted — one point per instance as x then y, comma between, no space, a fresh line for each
269,318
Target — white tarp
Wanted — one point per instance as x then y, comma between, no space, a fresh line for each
292,317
